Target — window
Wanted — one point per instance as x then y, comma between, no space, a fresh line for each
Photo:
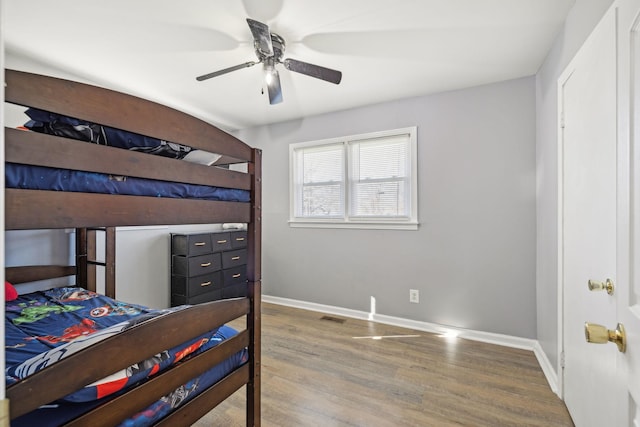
363,181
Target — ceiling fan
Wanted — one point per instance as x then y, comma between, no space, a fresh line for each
269,49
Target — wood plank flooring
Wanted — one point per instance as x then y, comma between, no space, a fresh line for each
326,373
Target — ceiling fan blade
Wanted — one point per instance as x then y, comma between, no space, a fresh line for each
312,70
274,88
226,70
261,37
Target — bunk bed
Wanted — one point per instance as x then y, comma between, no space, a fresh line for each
91,212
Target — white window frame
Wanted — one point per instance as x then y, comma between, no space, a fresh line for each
346,221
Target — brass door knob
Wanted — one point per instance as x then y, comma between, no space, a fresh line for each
594,285
598,334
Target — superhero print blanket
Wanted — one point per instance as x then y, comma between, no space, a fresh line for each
43,327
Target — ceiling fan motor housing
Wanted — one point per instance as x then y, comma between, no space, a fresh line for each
278,46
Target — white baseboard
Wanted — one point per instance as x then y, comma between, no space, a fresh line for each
487,337
547,368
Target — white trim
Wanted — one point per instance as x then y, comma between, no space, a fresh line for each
562,80
486,337
2,248
142,227
559,226
354,224
547,368
312,306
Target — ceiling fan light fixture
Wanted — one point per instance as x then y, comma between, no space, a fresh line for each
269,74
274,88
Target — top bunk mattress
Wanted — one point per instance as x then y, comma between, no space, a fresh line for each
45,178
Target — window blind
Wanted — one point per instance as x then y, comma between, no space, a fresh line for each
379,180
322,181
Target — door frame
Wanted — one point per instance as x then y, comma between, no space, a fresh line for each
629,141
564,77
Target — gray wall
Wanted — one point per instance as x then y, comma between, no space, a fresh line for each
581,20
33,247
473,257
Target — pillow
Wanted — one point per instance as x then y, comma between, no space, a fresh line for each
201,157
10,292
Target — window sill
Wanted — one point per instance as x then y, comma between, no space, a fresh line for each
362,225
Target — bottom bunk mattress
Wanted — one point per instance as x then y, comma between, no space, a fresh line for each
43,327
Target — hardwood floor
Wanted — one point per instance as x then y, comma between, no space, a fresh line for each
330,372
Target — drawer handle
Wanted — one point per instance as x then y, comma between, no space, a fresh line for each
221,242
235,258
239,239
235,276
205,264
205,284
200,244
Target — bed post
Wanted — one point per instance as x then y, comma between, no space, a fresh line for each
90,258
81,258
254,276
110,262
86,259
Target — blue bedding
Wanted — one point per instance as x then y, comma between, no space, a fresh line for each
43,327
44,178
82,130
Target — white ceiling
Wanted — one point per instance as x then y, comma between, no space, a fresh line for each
386,49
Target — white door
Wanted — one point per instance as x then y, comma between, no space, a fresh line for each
629,129
599,381
589,222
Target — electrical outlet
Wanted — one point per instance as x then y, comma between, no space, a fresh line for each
414,296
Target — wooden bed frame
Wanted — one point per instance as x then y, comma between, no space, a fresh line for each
35,209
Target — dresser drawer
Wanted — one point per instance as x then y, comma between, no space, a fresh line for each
198,299
234,258
191,244
238,239
196,265
234,275
233,291
206,297
191,286
220,242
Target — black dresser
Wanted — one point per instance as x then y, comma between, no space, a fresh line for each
208,266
